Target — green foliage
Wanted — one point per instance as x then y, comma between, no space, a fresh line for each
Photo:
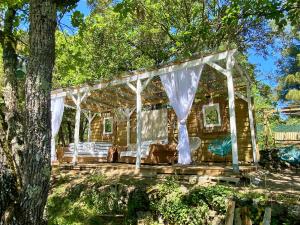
138,202
82,202
77,18
177,206
127,35
214,196
289,65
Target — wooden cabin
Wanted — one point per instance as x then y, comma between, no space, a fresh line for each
222,107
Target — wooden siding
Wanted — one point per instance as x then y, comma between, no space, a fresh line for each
195,128
287,138
97,129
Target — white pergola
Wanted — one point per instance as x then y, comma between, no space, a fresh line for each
223,62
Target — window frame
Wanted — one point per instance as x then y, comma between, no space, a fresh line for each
112,125
204,107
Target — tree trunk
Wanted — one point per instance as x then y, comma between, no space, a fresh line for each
14,136
11,140
35,164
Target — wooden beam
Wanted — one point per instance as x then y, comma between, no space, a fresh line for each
241,96
252,127
145,84
237,217
138,123
230,213
233,130
125,96
116,100
131,87
90,117
218,68
148,74
77,128
102,103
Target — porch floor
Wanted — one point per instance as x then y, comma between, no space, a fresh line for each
121,169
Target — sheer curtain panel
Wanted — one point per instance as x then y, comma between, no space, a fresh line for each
57,111
181,87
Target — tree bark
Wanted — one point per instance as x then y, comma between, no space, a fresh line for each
35,164
11,140
14,136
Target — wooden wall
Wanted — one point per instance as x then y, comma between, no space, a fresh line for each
97,129
287,138
195,128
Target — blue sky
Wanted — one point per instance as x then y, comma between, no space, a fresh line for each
266,66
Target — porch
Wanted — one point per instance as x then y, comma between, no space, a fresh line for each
165,106
201,171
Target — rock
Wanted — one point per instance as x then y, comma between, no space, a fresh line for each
217,220
193,179
212,213
183,189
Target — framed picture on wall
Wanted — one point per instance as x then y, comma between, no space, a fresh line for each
211,115
108,125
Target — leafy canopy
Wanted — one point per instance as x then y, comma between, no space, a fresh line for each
132,34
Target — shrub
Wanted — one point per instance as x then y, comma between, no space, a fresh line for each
105,200
177,206
214,196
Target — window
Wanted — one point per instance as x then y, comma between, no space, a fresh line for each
211,115
108,125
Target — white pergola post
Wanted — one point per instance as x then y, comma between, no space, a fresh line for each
251,121
233,131
77,102
138,90
90,117
231,93
138,122
128,131
76,131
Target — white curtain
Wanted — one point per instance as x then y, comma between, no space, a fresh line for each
57,111
181,87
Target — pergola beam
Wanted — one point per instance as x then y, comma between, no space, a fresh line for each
145,75
241,96
102,103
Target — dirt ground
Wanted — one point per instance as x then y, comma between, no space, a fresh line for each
285,182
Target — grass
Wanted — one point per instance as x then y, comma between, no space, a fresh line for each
92,199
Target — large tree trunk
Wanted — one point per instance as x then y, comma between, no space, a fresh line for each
35,164
25,156
11,136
